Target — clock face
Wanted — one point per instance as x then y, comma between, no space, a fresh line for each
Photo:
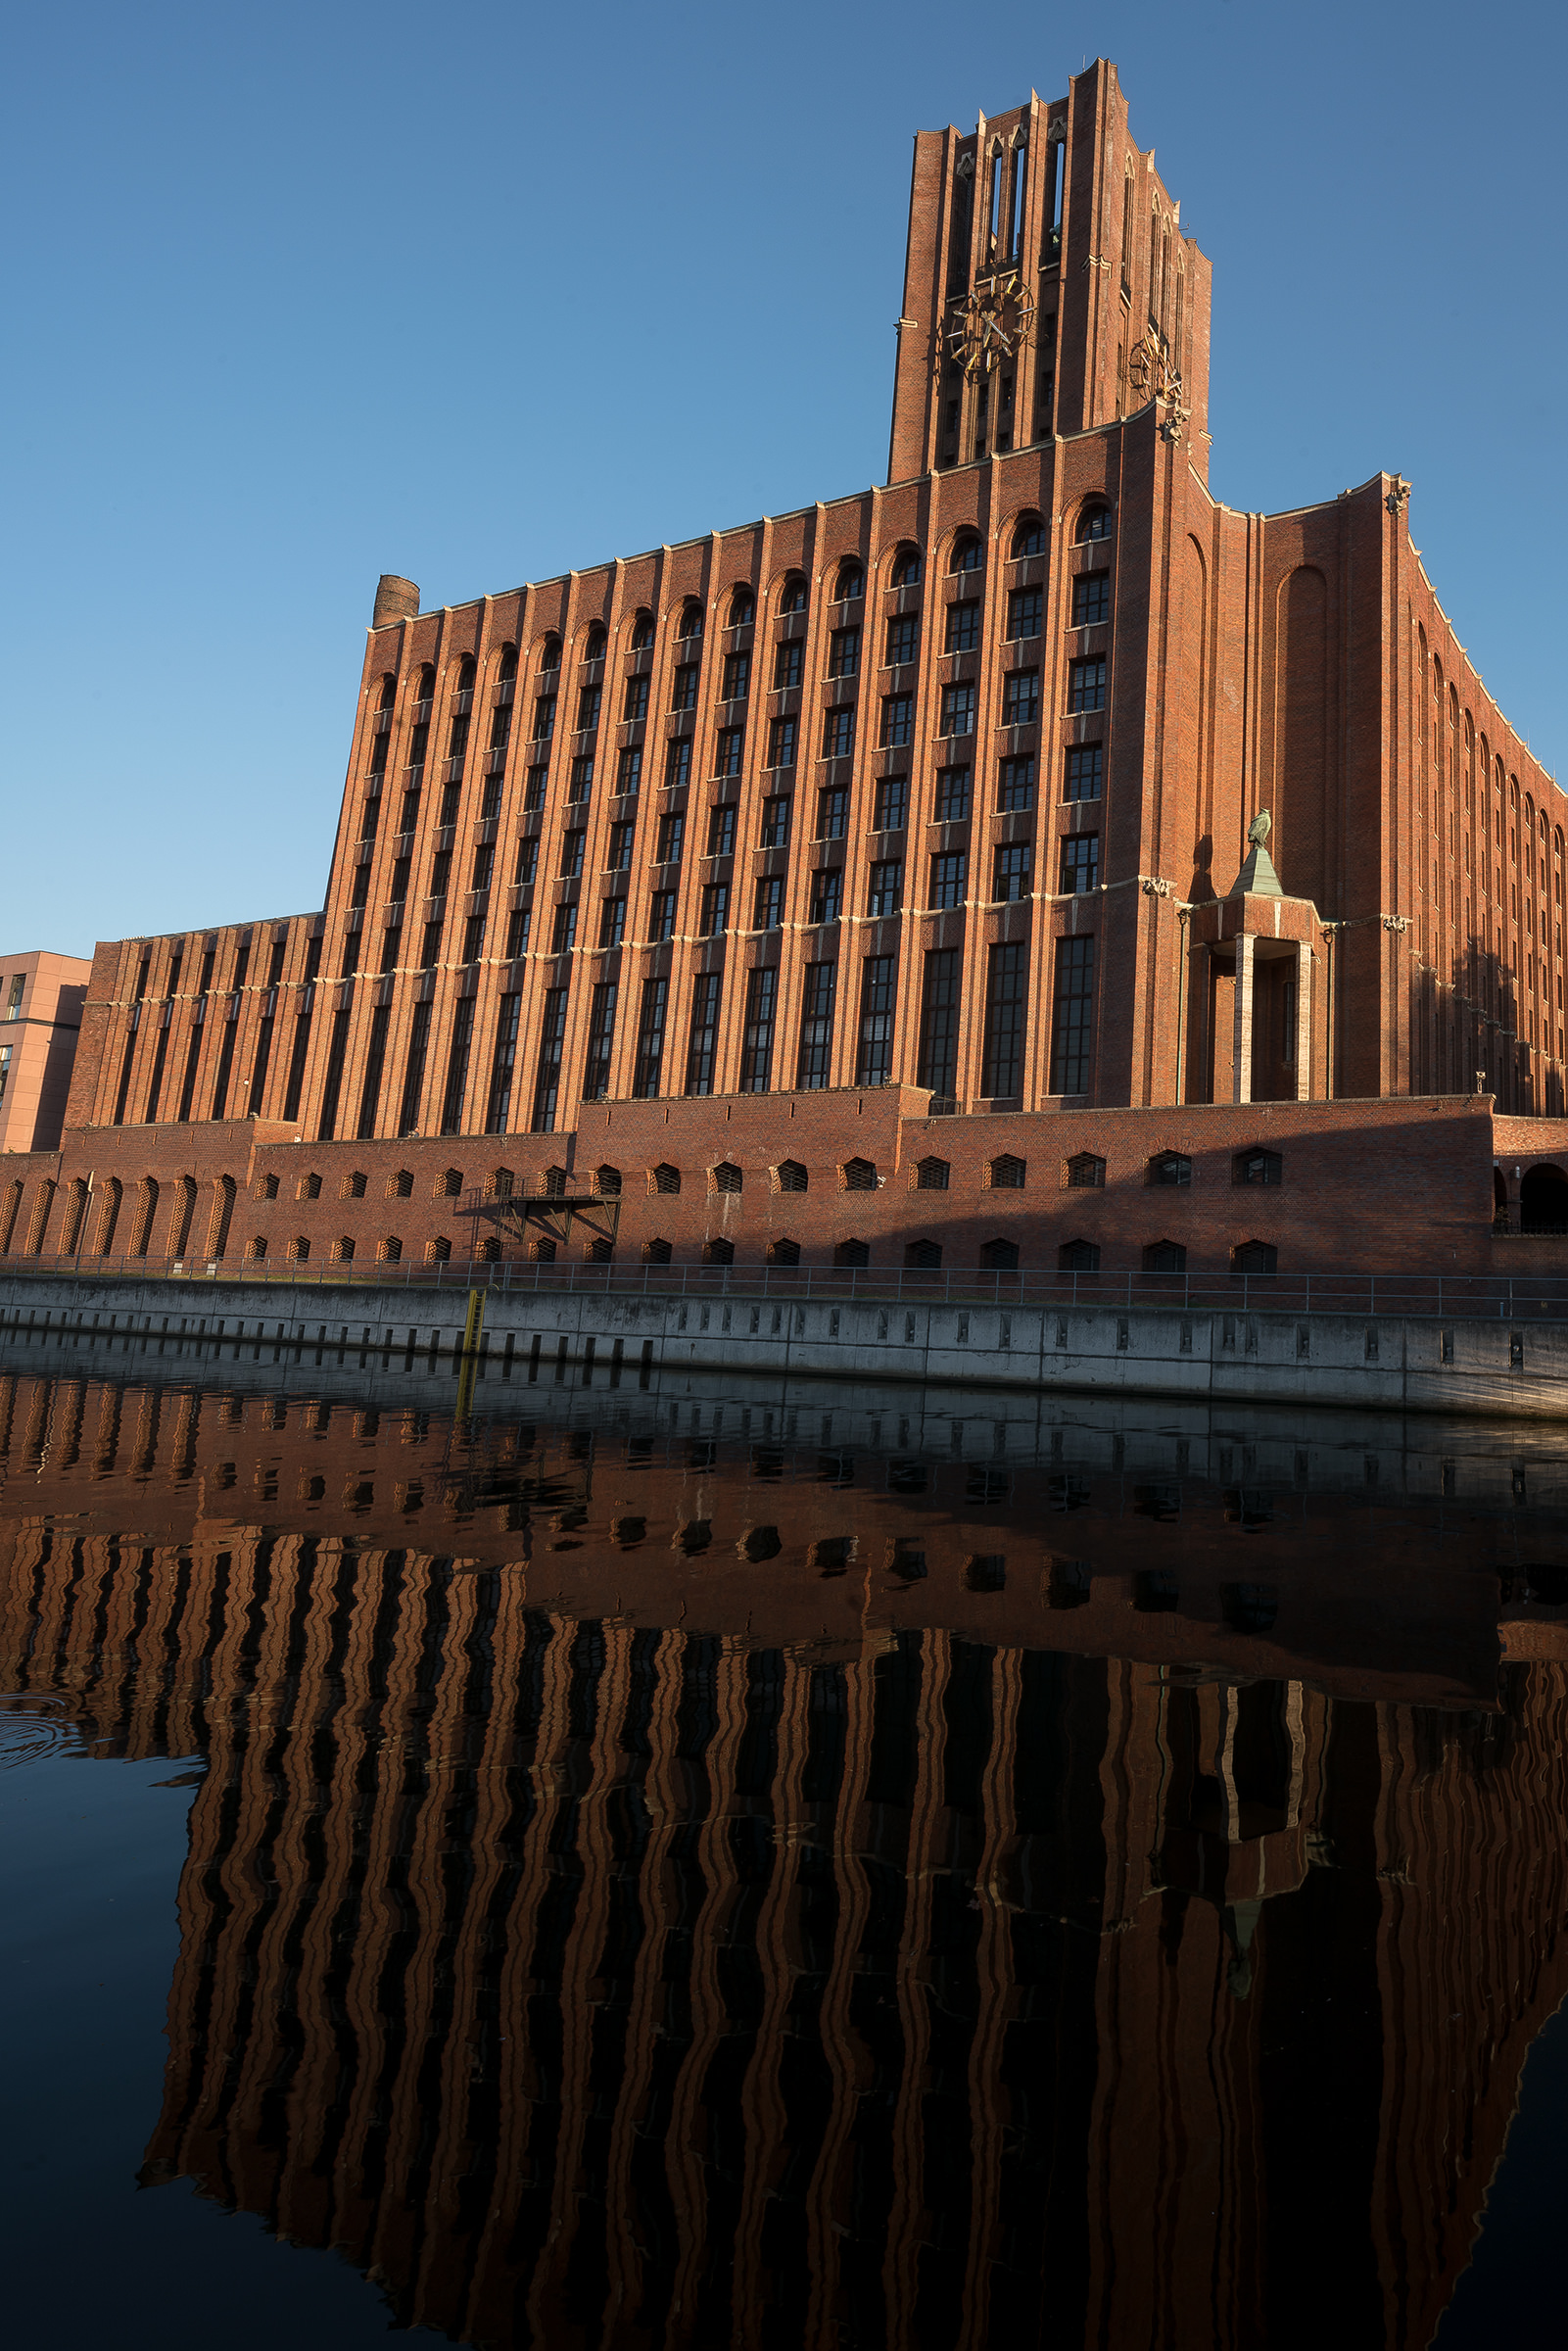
1150,371
990,321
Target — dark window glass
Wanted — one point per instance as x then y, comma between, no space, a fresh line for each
1014,784
589,704
629,770
962,628
611,921
948,876
826,894
1072,1008
714,917
534,790
1080,862
879,996
721,830
1091,599
737,677
903,639
1085,767
768,910
958,709
619,861
552,1042
1013,866
661,915
571,864
1094,523
1020,698
776,824
898,718
783,734
952,794
937,1063
678,762
563,932
729,751
833,813
816,1026
1006,987
786,661
843,653
892,807
968,555
1024,610
636,699
756,1036
601,1039
702,1042
671,837
885,894
1171,1166
650,1039
684,687
838,734
1086,685
545,718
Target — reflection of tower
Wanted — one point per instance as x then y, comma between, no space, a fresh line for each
1048,288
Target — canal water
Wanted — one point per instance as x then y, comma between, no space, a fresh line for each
774,1866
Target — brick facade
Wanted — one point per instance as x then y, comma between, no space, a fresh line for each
942,790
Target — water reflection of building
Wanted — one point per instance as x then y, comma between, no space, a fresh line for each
603,1982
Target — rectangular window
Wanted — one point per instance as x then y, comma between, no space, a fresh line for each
843,653
958,710
518,930
1086,685
650,1039
1001,1052
898,719
1091,599
833,813
1071,1007
952,795
527,865
619,858
937,1063
678,762
661,915
826,894
714,918
1023,611
703,1041
671,839
563,930
1013,866
551,1045
1014,784
600,1040
629,771
545,718
636,699
756,1036
879,999
948,876
361,887
611,921
721,830
463,1036
375,1061
737,677
484,866
838,734
582,778
886,892
534,790
815,1064
1085,768
337,1047
1020,698
903,639
890,811
731,751
962,628
589,704
768,910
440,872
684,687
776,824
414,1074
490,798
474,938
783,734
571,864
786,661
1081,863
499,1108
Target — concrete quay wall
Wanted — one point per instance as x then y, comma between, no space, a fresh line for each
1389,1363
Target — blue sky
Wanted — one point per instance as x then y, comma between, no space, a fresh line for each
298,295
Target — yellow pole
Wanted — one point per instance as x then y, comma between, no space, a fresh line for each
470,1353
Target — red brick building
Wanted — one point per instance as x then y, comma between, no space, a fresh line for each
1036,784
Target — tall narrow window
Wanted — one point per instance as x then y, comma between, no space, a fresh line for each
231,1023
938,1062
1072,1009
551,1047
463,1037
650,1039
1055,159
816,1026
879,992
160,1052
124,1095
413,1076
600,1040
702,1044
297,1059
337,1047
499,1108
1002,1056
1021,180
996,195
756,1039
375,1061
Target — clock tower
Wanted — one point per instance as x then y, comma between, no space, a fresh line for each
1048,288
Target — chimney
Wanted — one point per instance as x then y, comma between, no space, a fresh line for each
396,600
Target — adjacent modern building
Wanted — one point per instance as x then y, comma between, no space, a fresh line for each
41,997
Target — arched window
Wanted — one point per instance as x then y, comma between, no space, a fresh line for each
1029,538
718,1252
727,1177
550,653
1086,1172
742,609
450,1183
790,1177
1254,1256
996,192
389,691
256,1249
907,567
439,1251
783,1252
1007,1173
968,553
859,1175
299,1248
850,584
689,631
466,672
932,1175
1094,523
400,1187
1126,230
852,1252
1021,181
594,646
664,1177
792,594
608,1183
923,1256
1164,1257
427,685
998,1256
342,1250
508,663
642,632
391,1250
656,1253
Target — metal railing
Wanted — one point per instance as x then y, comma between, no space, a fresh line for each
1456,1297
